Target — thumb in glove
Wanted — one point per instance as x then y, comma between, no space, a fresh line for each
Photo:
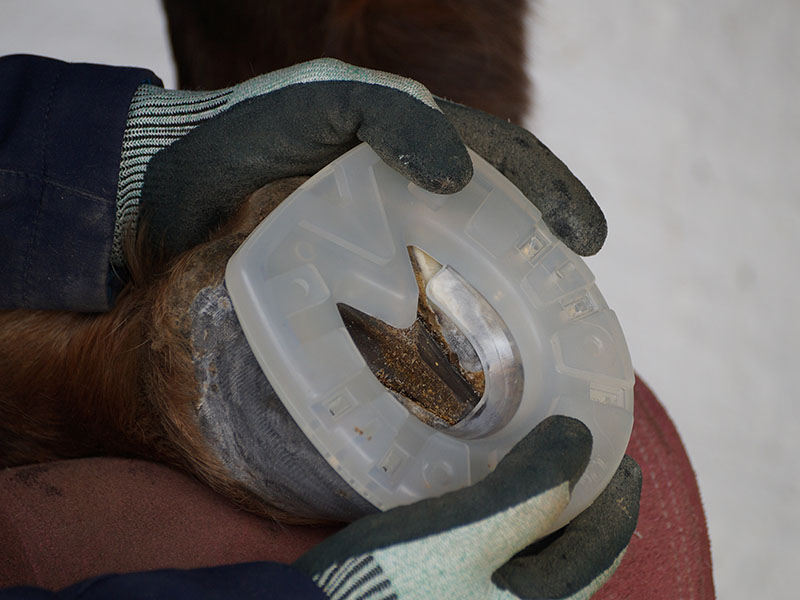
189,158
471,543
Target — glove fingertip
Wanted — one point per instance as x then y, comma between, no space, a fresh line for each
589,237
436,160
443,174
571,213
560,446
422,144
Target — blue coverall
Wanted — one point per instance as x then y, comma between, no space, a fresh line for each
61,129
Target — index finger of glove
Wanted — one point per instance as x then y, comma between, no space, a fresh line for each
582,556
566,205
550,458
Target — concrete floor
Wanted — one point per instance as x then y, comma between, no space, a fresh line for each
683,118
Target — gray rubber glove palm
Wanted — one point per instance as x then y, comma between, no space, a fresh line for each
479,542
189,158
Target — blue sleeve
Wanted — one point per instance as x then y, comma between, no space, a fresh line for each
242,581
61,129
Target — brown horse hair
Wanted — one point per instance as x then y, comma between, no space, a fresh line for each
469,51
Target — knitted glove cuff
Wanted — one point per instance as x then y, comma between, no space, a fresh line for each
156,118
358,577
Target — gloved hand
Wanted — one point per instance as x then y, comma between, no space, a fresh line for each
478,542
189,158
566,206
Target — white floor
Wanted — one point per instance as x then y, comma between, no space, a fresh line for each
683,118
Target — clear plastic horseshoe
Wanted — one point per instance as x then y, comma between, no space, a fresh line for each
523,307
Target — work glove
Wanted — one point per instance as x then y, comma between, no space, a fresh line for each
189,158
566,206
478,542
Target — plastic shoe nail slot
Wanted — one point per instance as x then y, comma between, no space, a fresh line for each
527,332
